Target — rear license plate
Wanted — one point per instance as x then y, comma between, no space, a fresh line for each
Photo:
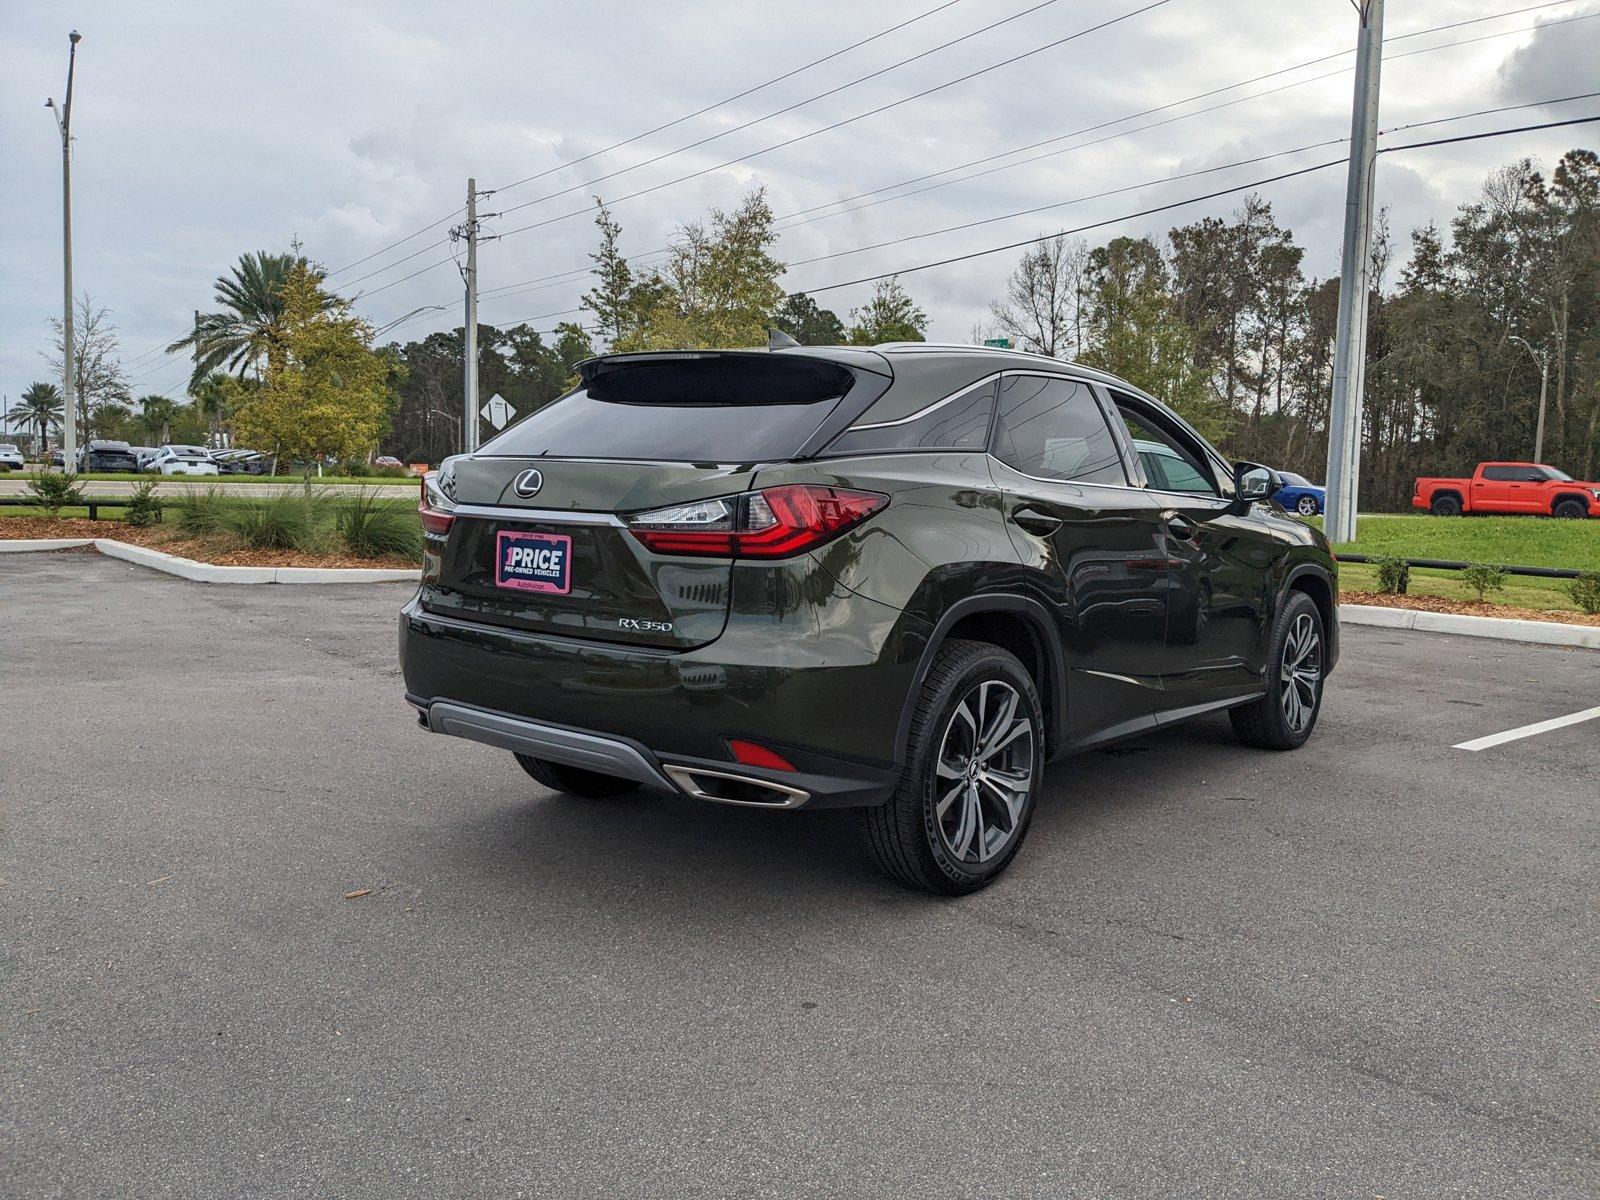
534,562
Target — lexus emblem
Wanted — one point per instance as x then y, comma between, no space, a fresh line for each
528,483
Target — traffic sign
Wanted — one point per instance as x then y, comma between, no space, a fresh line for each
498,412
1001,343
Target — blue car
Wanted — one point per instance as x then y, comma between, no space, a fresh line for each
1300,495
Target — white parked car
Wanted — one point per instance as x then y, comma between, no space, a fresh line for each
183,460
11,458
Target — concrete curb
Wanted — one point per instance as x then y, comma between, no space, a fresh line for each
23,545
187,568
1545,633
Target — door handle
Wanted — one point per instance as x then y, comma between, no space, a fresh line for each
1179,526
1034,521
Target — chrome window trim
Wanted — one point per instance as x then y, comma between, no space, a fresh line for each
924,411
500,512
1222,502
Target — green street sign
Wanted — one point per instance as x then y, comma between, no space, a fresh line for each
998,343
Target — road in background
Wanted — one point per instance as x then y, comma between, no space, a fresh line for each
15,485
1362,969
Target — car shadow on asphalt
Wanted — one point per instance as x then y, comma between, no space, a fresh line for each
654,848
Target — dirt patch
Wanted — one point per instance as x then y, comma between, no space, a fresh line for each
1470,608
173,541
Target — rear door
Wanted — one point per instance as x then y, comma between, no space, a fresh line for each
1093,539
540,541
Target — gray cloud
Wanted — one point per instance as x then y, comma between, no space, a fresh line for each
206,130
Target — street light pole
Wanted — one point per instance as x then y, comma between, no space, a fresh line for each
69,399
1542,357
1350,347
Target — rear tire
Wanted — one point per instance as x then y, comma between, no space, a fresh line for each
575,781
1445,506
973,765
1296,668
1570,509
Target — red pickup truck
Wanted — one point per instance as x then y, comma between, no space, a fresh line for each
1508,487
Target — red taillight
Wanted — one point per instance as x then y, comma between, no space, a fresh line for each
435,520
753,754
775,522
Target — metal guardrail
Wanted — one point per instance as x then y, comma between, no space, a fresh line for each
93,503
1440,564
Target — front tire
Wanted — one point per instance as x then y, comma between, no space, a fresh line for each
1297,655
1307,506
973,765
1570,509
575,781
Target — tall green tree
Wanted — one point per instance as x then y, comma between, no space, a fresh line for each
325,391
1136,333
808,323
891,315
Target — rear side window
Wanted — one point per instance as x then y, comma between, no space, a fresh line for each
1053,429
958,422
1514,474
684,408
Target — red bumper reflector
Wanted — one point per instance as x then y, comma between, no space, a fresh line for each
753,755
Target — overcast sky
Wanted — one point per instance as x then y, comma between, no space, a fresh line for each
203,130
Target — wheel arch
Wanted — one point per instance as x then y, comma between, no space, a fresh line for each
1315,582
1561,497
1014,623
1439,493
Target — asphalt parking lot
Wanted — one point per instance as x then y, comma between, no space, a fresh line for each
1364,969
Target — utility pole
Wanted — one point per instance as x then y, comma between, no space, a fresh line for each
69,398
1541,355
1350,346
469,423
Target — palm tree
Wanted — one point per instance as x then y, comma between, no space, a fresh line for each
40,406
248,329
211,398
157,413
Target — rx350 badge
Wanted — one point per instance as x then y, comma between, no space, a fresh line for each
534,562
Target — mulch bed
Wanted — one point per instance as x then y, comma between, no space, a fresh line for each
174,541
1470,608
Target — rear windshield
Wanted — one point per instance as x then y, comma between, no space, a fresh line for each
713,409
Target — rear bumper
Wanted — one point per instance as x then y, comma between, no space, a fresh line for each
658,716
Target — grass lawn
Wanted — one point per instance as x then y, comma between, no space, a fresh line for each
1520,591
1504,541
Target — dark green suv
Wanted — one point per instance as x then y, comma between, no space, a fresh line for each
900,578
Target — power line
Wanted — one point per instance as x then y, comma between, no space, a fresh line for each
833,91
659,128
559,277
882,108
855,45
398,242
1171,105
1160,208
699,112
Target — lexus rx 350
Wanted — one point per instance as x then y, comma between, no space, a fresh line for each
900,578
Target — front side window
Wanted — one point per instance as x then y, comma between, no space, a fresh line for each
1053,429
1172,463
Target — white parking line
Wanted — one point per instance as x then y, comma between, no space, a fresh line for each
1522,731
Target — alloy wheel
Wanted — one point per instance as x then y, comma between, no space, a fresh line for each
1307,506
1301,672
984,773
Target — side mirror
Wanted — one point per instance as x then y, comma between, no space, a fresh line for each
1253,482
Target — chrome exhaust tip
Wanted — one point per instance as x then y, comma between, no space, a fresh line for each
724,787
